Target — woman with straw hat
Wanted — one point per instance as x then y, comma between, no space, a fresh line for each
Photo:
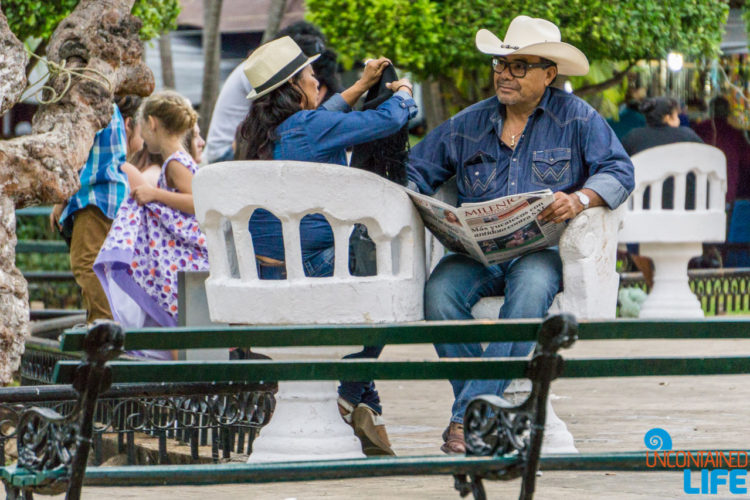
286,122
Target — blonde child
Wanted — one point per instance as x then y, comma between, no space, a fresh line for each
155,234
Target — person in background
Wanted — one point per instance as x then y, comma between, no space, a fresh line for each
662,126
194,143
232,106
155,234
145,167
287,122
717,131
85,219
140,166
630,116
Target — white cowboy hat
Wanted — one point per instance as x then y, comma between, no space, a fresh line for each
273,64
535,37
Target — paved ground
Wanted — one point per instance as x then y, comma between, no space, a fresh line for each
603,414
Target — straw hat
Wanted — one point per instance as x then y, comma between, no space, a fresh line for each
273,64
535,37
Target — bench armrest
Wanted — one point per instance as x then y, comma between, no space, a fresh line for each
588,248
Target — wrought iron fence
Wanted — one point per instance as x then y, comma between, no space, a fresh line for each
225,416
720,291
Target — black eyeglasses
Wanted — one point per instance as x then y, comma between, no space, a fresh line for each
518,68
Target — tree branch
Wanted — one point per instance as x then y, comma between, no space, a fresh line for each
601,86
98,36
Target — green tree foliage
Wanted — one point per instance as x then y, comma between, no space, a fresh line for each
434,39
430,37
39,18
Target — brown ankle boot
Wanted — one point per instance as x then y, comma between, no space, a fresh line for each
453,437
370,429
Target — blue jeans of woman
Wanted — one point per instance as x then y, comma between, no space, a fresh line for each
320,264
529,284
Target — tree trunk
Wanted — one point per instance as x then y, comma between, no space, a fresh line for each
12,67
432,101
275,15
99,35
211,60
165,55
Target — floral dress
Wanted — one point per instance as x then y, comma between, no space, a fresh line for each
145,249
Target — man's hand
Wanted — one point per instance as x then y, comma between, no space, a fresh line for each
566,206
54,216
144,194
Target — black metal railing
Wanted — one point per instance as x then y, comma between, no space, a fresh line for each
225,416
720,291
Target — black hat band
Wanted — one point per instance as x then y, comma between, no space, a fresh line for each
283,74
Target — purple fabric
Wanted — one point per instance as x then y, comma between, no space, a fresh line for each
145,249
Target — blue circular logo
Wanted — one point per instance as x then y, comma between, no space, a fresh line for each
658,439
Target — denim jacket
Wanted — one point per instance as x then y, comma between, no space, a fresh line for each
322,135
565,146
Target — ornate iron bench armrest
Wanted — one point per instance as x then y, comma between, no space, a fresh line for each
53,449
494,427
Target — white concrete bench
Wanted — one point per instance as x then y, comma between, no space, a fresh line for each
306,422
671,237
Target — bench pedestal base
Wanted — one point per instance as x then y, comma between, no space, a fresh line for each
306,425
671,296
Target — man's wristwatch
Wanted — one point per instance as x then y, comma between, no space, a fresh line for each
585,200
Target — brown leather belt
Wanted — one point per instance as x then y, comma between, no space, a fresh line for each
268,261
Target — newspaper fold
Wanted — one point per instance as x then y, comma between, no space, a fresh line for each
491,231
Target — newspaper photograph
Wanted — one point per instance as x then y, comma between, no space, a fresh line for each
491,231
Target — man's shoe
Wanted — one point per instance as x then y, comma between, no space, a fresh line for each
453,440
369,427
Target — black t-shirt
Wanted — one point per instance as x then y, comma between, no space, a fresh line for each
642,138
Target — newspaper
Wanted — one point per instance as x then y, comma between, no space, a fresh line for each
491,231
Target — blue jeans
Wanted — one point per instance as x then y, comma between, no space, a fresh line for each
529,284
320,264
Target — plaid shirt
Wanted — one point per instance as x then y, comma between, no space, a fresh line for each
103,183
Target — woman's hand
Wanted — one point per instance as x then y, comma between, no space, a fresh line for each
144,193
373,70
402,84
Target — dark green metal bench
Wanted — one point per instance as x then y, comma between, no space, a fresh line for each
503,442
509,455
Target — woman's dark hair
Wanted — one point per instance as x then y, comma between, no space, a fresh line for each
656,108
257,132
128,105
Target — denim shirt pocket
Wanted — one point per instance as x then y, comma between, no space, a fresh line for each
479,174
550,168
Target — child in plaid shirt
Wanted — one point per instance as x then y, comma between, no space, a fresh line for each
87,216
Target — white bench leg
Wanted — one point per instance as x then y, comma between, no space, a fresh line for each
557,437
671,296
306,424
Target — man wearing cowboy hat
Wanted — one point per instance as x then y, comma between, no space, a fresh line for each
530,136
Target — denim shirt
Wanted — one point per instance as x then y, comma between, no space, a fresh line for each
565,146
322,136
